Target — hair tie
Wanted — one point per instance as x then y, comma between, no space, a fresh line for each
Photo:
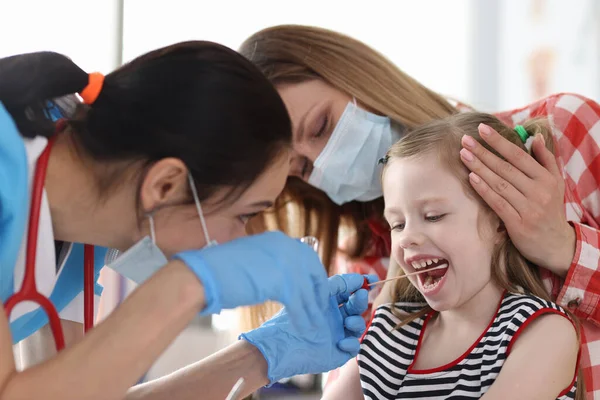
522,133
90,93
524,136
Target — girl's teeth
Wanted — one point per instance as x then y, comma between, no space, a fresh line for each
430,283
424,263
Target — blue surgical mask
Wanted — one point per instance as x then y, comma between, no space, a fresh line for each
348,169
144,258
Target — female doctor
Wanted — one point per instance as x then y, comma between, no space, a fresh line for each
173,151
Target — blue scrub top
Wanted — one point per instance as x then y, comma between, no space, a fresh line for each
14,206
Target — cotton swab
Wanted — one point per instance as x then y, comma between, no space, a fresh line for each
313,242
406,275
367,285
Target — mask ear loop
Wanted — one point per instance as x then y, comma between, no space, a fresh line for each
152,230
199,209
355,110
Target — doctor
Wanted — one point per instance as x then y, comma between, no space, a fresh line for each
174,151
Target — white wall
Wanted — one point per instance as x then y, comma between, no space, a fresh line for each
85,30
568,30
447,45
426,38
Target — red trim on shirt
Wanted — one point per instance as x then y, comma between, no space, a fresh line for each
444,367
521,328
368,326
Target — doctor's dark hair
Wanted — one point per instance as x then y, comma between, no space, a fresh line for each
197,101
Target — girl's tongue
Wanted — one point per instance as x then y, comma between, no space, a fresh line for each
437,273
432,277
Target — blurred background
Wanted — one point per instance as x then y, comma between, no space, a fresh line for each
492,54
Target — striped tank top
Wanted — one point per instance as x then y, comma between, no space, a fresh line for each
387,353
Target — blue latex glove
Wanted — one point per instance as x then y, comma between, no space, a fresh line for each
254,269
290,350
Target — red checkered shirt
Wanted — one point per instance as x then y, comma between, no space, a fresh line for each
576,126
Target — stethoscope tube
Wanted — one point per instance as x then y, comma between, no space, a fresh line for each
28,290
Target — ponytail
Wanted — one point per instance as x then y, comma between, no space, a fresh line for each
29,83
541,126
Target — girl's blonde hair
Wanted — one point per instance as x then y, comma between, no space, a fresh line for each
291,54
510,270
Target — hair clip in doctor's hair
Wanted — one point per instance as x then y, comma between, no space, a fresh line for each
383,160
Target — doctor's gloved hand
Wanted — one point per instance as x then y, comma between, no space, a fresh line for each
292,350
254,269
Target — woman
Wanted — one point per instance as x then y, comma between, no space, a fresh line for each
347,101
153,165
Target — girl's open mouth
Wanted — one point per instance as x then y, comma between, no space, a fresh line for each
430,280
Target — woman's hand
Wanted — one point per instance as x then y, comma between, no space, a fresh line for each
527,194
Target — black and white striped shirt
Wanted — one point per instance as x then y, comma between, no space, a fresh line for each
387,354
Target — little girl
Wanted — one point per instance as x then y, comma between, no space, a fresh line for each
482,324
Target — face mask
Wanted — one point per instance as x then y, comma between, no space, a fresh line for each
144,258
348,169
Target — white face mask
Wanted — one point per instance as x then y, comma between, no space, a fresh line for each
144,258
348,167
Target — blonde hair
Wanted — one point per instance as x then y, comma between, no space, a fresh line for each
291,54
510,270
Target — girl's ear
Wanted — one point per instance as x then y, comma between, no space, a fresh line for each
501,232
501,228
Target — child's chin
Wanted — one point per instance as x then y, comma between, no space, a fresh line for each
440,305
440,308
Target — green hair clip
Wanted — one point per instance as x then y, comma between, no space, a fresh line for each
522,133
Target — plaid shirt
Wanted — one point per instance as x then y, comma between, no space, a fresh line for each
576,127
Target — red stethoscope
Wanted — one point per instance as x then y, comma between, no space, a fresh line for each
29,291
